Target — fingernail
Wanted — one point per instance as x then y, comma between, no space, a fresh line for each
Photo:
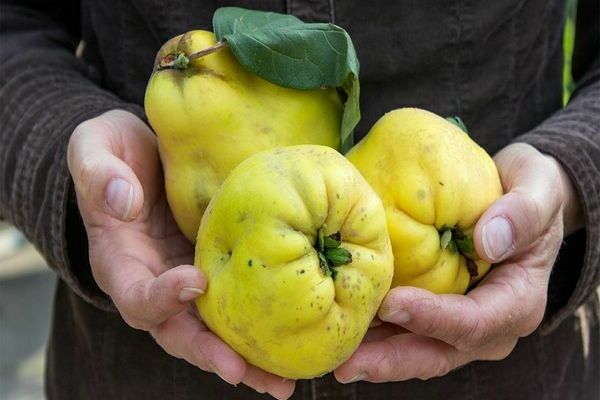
220,375
189,293
357,378
397,317
375,323
119,197
497,238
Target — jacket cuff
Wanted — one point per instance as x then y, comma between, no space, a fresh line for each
42,105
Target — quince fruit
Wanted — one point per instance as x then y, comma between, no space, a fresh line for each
210,114
435,182
298,260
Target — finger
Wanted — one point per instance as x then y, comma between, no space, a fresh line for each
383,331
513,223
507,305
448,318
104,183
111,158
185,336
375,322
399,358
264,382
144,300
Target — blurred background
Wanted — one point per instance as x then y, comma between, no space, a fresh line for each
26,291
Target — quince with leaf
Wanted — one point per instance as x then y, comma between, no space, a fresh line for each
209,114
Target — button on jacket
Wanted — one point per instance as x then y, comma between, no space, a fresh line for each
496,64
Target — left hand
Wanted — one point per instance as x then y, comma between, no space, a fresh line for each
425,335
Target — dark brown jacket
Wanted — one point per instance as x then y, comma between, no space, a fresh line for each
497,64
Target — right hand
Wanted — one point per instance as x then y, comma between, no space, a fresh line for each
138,255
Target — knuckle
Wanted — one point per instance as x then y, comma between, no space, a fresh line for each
428,313
134,322
200,354
440,368
88,168
534,216
87,176
386,366
532,321
384,369
503,351
159,335
553,174
157,297
131,305
476,335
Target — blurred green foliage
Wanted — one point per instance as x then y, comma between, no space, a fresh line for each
568,43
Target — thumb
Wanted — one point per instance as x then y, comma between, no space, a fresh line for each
519,218
106,186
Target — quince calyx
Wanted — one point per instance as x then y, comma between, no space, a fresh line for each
456,240
331,255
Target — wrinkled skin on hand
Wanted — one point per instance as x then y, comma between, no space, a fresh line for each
213,114
430,176
268,295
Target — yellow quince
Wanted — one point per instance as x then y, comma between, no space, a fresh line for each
298,260
210,114
435,182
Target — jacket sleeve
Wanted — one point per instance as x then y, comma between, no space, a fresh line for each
45,92
572,136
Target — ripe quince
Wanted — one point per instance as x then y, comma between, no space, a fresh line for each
435,182
209,114
298,259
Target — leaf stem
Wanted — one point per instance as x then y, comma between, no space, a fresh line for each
179,60
209,50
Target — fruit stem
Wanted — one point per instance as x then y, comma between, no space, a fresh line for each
179,60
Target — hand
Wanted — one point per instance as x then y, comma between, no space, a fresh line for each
138,255
426,335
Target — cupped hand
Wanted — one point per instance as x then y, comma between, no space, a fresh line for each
425,335
138,255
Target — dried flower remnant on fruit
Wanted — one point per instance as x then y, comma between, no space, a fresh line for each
331,255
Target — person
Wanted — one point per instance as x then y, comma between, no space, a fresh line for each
80,176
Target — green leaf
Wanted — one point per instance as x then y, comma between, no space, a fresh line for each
465,244
231,20
445,239
338,256
330,243
452,247
458,122
283,50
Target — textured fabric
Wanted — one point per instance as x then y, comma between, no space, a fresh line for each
496,64
573,137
